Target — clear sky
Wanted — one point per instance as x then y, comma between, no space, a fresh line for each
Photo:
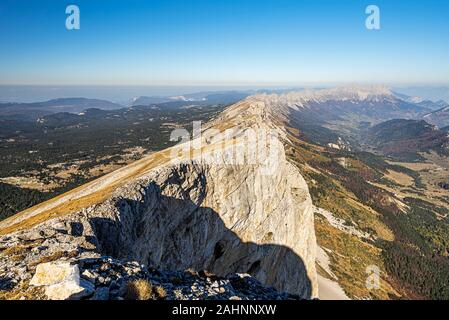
223,42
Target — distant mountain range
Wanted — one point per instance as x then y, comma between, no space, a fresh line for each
439,117
201,98
371,104
433,105
354,114
32,111
424,92
341,114
426,103
35,110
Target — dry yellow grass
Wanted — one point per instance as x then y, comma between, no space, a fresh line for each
82,197
77,198
434,170
15,250
30,182
400,178
53,257
350,257
138,290
17,258
23,291
159,292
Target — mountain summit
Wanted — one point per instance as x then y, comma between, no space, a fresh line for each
348,93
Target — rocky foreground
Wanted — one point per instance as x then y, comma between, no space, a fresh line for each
110,279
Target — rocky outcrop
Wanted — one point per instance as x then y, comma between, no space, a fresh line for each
111,279
206,211
61,281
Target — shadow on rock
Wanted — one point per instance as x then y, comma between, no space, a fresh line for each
176,234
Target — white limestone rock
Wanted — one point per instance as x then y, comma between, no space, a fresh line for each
61,281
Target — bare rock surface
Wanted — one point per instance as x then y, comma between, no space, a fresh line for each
205,212
61,280
109,279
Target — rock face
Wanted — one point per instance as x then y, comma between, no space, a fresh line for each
209,210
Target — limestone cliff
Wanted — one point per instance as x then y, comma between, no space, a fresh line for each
231,203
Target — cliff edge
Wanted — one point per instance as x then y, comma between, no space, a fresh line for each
227,201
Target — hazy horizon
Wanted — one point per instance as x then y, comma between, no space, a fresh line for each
123,94
118,93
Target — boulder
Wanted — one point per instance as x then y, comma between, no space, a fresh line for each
61,280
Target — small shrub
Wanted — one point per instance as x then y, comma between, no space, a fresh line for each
159,292
138,290
142,289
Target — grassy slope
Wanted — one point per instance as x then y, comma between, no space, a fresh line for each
411,235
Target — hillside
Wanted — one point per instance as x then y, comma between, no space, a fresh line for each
439,117
406,139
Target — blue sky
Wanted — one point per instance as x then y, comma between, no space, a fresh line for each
223,42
